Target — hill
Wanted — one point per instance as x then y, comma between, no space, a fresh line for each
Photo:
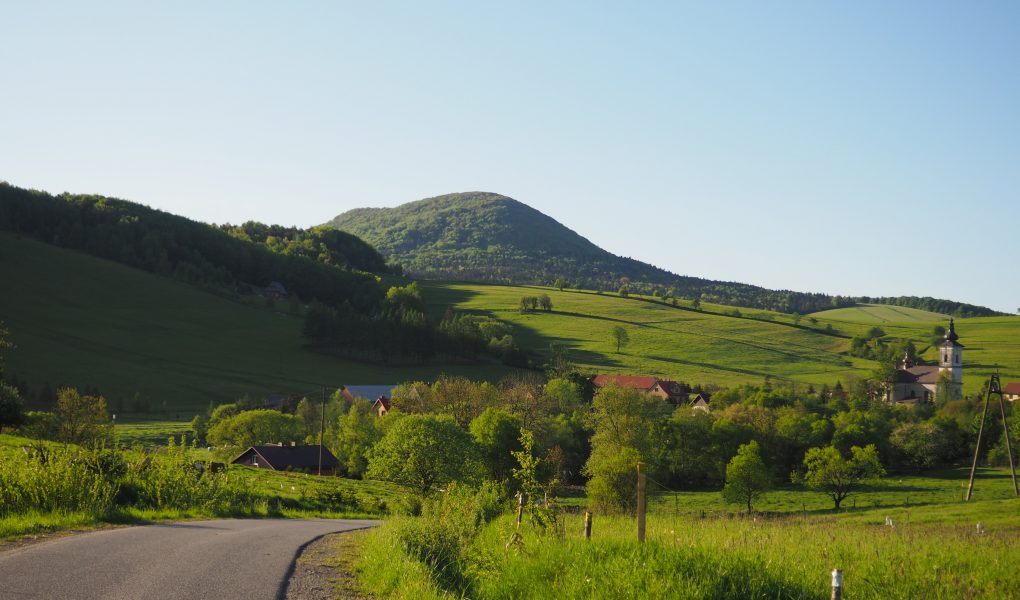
486,237
717,344
155,344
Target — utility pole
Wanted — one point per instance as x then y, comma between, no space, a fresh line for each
640,504
322,427
994,387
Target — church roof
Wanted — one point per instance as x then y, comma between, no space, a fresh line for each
919,374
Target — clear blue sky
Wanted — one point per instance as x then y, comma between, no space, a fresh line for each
850,148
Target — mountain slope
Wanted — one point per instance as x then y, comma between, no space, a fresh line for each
151,343
486,237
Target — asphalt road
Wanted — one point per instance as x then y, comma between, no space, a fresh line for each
222,559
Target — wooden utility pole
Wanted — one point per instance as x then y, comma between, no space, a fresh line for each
837,584
640,504
994,387
587,525
322,427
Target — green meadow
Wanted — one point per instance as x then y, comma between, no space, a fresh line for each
155,345
712,345
698,547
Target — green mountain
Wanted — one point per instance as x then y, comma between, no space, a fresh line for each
486,237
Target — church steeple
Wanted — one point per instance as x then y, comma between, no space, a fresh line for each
951,355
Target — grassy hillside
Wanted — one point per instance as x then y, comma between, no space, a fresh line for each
693,346
710,346
881,313
144,339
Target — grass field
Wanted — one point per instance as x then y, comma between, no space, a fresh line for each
710,346
154,345
82,321
709,550
882,313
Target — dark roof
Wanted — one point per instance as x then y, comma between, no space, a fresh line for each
920,374
295,457
1012,388
383,400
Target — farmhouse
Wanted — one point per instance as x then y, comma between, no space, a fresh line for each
670,391
1012,391
381,406
280,457
919,383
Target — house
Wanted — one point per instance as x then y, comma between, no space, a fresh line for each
1012,391
670,391
700,401
919,383
381,406
281,457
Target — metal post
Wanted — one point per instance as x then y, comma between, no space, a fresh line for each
837,584
1005,434
977,446
640,504
322,427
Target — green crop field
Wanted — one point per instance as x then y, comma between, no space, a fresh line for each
139,338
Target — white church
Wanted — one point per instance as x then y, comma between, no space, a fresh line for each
918,383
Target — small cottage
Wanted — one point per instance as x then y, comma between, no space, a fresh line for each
292,457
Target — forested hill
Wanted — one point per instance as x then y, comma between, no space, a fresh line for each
486,237
312,264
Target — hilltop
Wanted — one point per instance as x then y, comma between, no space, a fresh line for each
491,238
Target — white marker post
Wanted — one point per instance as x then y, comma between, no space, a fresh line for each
837,584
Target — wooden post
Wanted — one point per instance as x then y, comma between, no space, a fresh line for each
977,445
640,504
322,427
587,525
837,584
994,387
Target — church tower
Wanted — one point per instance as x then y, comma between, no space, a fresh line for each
951,356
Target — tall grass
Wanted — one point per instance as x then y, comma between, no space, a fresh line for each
728,557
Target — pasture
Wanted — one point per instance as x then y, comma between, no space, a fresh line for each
712,345
152,344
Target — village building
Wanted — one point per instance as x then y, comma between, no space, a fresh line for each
288,457
670,391
919,383
1012,391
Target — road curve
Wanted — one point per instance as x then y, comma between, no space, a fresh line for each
223,559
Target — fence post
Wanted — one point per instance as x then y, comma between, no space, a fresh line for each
640,504
837,584
587,525
520,508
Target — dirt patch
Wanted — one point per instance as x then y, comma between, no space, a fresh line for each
325,569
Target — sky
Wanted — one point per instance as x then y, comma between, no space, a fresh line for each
864,148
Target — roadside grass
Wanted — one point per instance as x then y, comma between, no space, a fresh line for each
75,491
152,344
934,549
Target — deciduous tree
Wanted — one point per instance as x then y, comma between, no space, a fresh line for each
747,477
423,452
828,472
